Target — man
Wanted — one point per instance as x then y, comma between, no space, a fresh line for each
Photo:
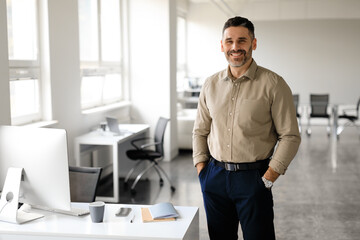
243,112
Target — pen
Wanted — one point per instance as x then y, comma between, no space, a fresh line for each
132,219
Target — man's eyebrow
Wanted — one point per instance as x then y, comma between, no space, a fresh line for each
240,38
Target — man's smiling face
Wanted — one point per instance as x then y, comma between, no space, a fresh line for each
237,45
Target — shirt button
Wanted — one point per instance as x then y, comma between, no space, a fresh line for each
230,114
235,84
233,99
228,145
229,129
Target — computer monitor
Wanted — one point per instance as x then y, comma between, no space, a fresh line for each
42,153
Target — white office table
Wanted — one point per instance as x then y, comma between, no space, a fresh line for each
89,142
57,226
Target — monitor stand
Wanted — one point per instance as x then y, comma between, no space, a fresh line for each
10,199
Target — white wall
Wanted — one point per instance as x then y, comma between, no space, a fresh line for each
152,83
4,68
205,24
173,139
313,55
64,65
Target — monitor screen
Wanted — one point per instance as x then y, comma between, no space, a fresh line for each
42,153
113,125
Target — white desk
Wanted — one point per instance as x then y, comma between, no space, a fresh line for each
59,226
89,142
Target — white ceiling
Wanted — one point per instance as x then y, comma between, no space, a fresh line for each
287,9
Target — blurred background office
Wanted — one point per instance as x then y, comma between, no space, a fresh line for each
79,61
69,64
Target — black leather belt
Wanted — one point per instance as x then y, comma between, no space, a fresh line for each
260,164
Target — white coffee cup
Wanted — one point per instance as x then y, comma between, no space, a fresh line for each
97,210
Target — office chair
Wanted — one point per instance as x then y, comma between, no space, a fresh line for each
351,118
296,103
83,183
319,104
142,153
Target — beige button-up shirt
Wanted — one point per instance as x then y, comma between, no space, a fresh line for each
242,120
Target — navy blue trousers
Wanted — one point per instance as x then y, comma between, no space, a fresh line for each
233,197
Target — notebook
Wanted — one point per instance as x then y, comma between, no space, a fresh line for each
146,217
163,210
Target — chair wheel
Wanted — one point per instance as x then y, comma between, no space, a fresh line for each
133,192
161,182
173,189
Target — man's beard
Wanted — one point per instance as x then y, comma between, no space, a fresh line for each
245,57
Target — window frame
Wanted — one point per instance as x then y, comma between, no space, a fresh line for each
17,69
102,68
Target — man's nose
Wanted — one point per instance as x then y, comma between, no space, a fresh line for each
235,46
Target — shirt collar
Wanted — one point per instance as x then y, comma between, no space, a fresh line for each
250,73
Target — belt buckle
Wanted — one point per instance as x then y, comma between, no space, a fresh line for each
230,167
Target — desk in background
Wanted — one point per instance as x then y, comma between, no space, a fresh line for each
57,226
91,141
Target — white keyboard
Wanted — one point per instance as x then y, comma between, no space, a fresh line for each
73,211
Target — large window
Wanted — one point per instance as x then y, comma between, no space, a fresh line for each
100,52
24,61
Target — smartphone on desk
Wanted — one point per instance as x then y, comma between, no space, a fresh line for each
123,212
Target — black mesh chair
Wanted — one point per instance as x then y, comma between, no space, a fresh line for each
83,183
142,154
319,109
352,118
296,103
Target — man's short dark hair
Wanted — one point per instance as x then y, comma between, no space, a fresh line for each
240,21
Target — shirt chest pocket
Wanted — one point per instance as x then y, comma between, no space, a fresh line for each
252,113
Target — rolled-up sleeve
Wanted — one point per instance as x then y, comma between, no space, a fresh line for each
201,130
285,121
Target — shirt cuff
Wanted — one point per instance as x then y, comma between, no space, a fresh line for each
199,159
277,166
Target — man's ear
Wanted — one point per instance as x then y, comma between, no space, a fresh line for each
254,44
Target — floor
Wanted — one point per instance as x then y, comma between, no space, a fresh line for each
318,198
